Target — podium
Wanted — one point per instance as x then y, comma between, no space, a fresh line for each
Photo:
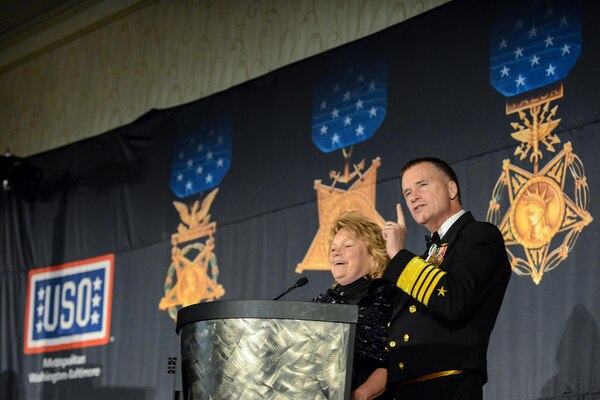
264,349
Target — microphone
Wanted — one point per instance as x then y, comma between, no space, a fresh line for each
301,282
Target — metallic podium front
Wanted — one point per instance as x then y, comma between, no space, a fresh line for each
262,349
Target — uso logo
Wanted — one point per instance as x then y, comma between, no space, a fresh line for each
69,306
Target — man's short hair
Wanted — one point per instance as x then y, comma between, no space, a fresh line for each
442,165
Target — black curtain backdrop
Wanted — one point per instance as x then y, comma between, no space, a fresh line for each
111,195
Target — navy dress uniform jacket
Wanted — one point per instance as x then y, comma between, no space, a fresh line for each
443,315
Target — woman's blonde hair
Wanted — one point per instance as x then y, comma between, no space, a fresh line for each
367,231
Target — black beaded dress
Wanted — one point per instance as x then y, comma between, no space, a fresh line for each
374,299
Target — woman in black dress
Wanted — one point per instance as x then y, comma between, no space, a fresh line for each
357,259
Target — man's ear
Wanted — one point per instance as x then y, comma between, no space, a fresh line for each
452,190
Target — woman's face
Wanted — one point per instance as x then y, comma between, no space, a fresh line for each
349,258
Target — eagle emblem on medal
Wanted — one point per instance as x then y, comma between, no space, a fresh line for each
201,159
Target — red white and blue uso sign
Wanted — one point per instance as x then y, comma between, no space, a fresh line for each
69,306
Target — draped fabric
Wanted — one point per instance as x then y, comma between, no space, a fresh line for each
111,195
162,53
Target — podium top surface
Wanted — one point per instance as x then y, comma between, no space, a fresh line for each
267,309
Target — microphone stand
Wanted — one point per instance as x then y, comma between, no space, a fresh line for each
301,282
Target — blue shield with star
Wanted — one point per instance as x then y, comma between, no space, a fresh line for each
534,44
201,157
349,107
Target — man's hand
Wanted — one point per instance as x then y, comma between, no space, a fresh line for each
394,233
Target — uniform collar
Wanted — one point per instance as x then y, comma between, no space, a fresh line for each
448,223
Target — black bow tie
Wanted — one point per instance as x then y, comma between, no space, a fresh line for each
433,239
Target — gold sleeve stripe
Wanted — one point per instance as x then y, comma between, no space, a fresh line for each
419,279
432,271
410,274
433,284
424,277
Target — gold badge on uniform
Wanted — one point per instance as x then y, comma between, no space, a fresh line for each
436,254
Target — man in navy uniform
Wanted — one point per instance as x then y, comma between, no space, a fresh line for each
450,297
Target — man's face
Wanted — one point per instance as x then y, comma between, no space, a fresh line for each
428,195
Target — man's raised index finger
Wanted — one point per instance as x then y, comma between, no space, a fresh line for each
400,214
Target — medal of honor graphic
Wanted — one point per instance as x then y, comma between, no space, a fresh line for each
348,108
331,203
201,160
547,206
193,273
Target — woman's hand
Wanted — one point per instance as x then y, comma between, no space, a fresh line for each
358,395
373,387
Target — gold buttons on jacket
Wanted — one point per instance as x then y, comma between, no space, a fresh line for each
392,344
412,309
401,365
406,337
